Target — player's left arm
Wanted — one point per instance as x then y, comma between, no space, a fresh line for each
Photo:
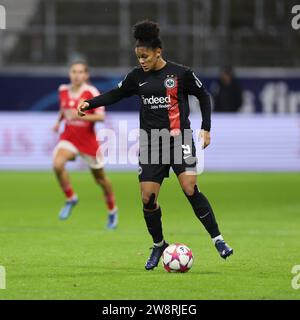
193,86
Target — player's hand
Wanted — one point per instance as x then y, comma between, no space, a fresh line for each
56,127
82,107
205,138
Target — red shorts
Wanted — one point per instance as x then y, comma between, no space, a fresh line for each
94,160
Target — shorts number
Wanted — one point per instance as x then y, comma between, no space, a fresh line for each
186,149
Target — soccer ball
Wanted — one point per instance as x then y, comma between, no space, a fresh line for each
177,258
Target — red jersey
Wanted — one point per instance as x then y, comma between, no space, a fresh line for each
79,132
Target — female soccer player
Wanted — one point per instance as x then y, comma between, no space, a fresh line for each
78,138
163,88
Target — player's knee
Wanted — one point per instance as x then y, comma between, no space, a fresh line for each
188,189
149,202
58,164
145,198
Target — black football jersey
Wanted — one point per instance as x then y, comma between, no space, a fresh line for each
164,97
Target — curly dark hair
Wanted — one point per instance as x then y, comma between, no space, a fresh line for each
146,34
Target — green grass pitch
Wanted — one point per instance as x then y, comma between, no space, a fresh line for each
259,216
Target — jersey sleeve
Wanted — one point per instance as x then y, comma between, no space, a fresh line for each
94,92
60,91
193,86
125,88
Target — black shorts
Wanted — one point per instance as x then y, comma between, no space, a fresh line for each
178,155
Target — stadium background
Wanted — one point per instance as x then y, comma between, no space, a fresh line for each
255,37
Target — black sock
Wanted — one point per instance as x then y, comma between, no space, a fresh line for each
204,212
153,221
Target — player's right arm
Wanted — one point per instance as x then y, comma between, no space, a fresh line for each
60,118
58,121
126,88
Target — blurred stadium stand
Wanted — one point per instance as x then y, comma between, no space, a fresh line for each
255,37
200,33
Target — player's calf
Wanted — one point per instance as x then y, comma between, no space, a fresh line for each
152,216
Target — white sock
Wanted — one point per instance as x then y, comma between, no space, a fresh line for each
159,244
113,211
214,240
74,197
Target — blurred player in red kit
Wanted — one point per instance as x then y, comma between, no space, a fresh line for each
79,138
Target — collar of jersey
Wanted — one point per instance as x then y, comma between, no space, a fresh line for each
156,71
